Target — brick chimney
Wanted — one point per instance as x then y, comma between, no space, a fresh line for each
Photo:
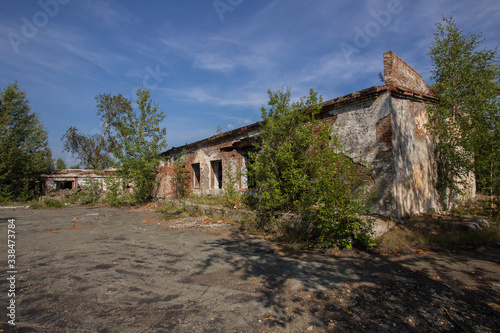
398,72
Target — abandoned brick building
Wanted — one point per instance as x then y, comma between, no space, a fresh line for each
72,179
382,125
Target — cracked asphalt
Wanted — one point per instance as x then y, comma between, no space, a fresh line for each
85,269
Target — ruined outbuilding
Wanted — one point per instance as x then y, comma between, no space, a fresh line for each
73,179
384,126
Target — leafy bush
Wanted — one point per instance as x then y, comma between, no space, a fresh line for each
180,181
91,190
230,192
114,195
47,203
298,169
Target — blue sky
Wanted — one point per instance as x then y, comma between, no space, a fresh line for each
207,62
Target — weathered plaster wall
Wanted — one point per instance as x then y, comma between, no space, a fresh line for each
364,131
415,177
389,134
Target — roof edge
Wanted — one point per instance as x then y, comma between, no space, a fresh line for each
353,98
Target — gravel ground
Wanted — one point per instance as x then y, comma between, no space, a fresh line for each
83,269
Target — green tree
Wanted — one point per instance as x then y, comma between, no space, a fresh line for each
60,165
465,122
298,169
142,141
24,149
96,151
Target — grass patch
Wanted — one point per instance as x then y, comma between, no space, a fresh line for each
179,210
239,201
207,200
430,235
47,204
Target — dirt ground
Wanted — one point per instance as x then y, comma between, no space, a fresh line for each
82,269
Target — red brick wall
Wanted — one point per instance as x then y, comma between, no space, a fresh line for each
384,131
397,71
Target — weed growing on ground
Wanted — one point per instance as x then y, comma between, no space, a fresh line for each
47,203
428,234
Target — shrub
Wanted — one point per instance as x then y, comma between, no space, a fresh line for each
180,181
92,190
230,193
298,169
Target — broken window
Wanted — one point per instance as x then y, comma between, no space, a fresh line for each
216,174
250,177
64,185
196,174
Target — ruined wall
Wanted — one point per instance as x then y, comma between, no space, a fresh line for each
364,131
73,179
382,127
416,176
398,72
213,160
389,134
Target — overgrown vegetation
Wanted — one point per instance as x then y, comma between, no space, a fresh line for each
466,121
60,165
300,170
230,194
46,204
443,233
142,141
91,190
115,194
180,180
24,149
426,234
129,140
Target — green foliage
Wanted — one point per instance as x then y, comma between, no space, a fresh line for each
96,151
114,191
465,123
219,130
299,169
142,141
24,149
60,165
92,190
47,203
230,193
180,181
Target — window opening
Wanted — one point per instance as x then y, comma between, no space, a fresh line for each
216,175
196,174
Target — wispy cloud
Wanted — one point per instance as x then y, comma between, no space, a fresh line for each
110,14
199,94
